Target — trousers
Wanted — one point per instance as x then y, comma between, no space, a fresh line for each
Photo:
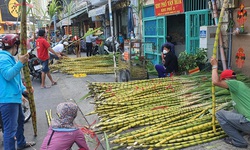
13,121
234,125
162,71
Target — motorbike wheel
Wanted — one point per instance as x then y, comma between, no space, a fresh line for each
26,110
40,77
74,50
123,76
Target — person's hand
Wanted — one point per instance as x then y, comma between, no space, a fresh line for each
32,90
163,61
24,99
24,58
213,61
59,56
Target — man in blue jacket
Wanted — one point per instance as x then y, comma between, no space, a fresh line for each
11,89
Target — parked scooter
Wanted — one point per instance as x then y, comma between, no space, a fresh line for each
108,46
95,50
35,66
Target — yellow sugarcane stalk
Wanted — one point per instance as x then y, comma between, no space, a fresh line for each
85,35
25,68
214,55
48,117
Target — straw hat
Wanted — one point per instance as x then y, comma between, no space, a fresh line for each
99,32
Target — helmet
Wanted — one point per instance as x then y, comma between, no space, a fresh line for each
227,74
65,43
9,40
75,38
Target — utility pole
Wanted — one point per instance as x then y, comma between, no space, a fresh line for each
112,35
55,25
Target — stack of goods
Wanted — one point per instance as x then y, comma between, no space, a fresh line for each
162,113
99,64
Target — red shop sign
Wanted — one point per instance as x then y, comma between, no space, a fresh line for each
167,7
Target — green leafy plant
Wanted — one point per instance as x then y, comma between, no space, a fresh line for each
201,56
190,61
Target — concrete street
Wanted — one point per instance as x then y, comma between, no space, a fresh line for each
69,87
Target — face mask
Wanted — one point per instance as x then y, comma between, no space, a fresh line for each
164,51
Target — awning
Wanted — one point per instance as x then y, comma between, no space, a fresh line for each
97,11
78,13
64,22
98,2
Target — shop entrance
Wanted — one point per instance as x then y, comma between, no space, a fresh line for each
195,19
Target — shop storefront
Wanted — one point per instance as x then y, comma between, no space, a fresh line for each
180,19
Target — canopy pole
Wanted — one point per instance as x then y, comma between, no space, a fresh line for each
112,35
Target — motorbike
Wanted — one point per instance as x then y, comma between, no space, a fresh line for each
108,46
35,66
25,107
95,50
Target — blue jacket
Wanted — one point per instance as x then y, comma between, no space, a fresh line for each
11,86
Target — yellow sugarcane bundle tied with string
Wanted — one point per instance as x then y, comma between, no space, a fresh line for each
101,64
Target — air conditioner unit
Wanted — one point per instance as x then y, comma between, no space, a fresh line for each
207,38
233,3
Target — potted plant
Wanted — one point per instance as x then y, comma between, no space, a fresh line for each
187,62
201,57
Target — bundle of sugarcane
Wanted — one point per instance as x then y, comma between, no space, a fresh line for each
169,113
99,64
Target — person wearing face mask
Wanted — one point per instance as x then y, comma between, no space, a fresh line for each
170,63
169,42
11,89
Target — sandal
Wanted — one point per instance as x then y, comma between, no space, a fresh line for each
27,144
45,87
54,83
228,140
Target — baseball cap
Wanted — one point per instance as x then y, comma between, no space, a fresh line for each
65,43
227,74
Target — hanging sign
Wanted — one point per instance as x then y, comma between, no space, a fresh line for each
167,7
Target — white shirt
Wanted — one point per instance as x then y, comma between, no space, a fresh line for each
58,48
90,38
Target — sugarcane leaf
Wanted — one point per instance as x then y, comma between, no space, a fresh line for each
107,141
85,96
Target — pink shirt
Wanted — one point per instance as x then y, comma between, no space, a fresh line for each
64,140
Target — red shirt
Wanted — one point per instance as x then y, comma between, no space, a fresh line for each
42,48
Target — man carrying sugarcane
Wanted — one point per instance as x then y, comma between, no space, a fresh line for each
237,122
43,48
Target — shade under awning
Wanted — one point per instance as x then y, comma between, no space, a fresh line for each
97,11
64,22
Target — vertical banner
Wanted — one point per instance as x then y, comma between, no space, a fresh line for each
167,7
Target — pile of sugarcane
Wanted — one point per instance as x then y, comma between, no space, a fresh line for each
99,64
162,113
